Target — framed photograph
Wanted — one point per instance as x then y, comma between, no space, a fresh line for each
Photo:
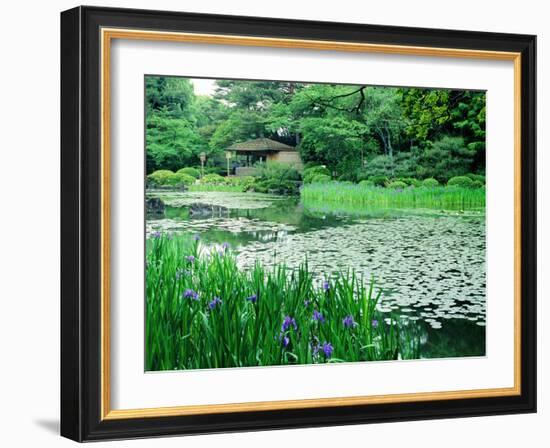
276,224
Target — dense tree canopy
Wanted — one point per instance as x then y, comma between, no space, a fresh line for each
357,131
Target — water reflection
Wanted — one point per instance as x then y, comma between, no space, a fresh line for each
430,265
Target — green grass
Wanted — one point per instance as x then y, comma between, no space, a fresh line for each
184,331
213,187
451,198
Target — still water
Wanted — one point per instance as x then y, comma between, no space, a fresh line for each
429,264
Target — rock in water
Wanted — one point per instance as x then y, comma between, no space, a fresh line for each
154,206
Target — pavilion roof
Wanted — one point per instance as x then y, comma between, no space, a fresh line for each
260,145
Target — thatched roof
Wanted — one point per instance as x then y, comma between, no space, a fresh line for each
260,145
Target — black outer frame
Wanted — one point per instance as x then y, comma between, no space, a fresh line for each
81,208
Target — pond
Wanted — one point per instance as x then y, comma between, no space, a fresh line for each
429,264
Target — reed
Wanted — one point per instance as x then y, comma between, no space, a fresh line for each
202,311
449,198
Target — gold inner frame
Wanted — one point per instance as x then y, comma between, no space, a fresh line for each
107,35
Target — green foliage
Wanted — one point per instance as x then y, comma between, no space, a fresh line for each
278,178
356,131
379,181
160,177
215,315
430,182
320,178
309,173
409,181
190,172
478,184
357,196
366,183
330,140
169,178
447,157
397,185
182,179
309,165
212,179
476,177
378,166
461,181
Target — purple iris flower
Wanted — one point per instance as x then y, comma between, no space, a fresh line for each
326,285
327,349
196,237
215,302
253,298
318,317
285,340
225,246
190,258
190,294
288,322
348,321
156,234
374,323
306,303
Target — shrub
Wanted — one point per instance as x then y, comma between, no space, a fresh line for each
461,181
409,181
309,165
347,177
160,177
320,178
447,157
379,181
379,166
310,173
478,184
367,183
430,182
239,180
212,179
476,177
278,171
397,185
216,169
181,179
190,172
169,178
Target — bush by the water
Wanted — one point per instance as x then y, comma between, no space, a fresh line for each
212,178
430,182
397,185
160,177
309,173
409,181
169,178
215,315
477,177
379,181
366,183
278,178
461,181
320,178
190,172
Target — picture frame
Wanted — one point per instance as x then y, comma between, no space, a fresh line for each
86,37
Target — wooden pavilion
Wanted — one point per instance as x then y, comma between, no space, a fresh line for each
265,150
